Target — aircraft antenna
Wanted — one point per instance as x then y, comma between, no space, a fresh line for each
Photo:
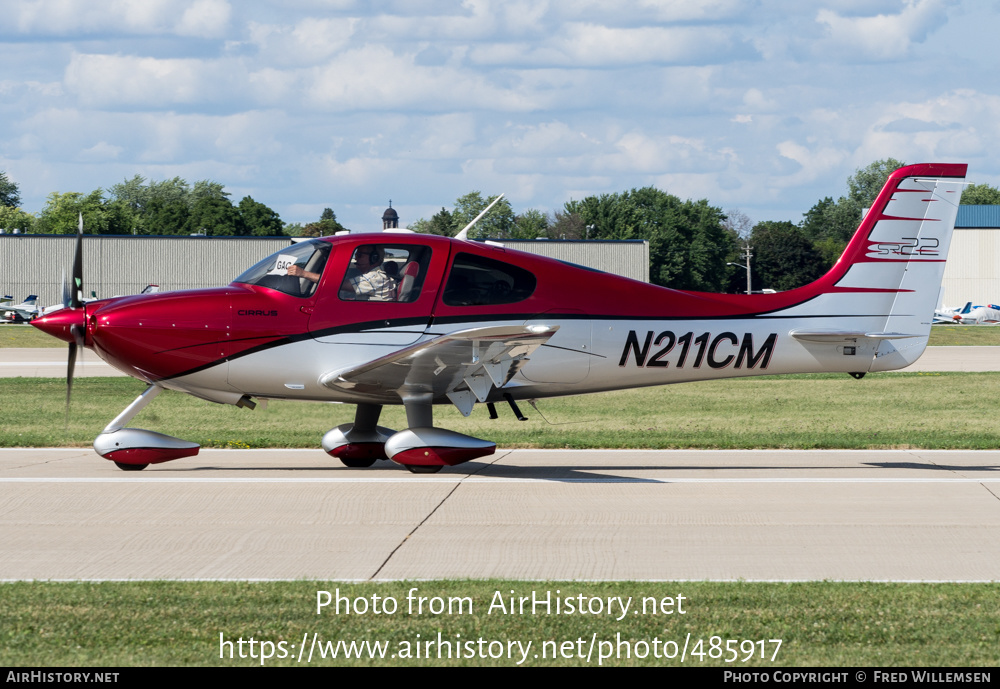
464,234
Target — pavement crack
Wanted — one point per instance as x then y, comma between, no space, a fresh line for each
431,513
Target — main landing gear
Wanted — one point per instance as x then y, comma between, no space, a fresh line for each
421,448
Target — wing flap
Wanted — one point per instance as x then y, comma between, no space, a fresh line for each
462,366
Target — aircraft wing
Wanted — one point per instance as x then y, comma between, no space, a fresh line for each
463,366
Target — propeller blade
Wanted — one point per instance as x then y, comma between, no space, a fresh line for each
78,339
67,289
76,291
69,377
74,300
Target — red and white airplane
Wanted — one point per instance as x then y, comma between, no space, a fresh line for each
419,320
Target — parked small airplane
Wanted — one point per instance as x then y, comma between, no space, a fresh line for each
418,320
24,312
980,314
951,315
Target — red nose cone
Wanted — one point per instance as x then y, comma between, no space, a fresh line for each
58,323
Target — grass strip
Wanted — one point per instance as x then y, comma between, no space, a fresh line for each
882,411
180,623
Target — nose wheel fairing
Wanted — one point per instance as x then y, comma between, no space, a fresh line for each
137,446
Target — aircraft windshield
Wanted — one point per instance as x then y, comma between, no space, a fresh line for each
295,270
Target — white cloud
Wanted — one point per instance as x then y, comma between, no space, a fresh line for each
130,81
376,78
204,18
581,45
308,42
885,36
101,151
815,162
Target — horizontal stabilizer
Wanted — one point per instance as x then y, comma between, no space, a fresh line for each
837,336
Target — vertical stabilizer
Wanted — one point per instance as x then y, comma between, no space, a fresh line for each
904,253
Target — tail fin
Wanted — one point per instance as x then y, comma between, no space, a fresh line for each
900,251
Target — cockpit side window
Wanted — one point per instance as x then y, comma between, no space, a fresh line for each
295,270
479,281
386,272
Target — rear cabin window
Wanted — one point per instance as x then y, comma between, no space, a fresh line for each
478,281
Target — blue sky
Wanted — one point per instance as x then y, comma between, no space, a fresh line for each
764,107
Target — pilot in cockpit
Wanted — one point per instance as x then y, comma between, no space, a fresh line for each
300,272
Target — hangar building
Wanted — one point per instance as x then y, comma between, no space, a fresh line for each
973,269
119,265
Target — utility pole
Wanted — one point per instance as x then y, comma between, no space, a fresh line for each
747,255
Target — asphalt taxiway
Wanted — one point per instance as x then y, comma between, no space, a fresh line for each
907,515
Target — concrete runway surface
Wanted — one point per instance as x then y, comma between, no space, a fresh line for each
914,515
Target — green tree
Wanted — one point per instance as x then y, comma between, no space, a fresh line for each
10,195
217,217
531,224
784,258
981,194
688,243
442,223
326,226
166,216
170,191
260,220
567,226
12,218
130,199
206,188
498,223
62,211
608,216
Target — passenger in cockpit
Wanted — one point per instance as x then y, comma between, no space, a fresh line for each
368,280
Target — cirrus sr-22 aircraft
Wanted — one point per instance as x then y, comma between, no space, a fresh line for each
420,320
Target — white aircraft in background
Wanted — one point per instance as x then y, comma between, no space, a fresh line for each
24,312
980,314
946,315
